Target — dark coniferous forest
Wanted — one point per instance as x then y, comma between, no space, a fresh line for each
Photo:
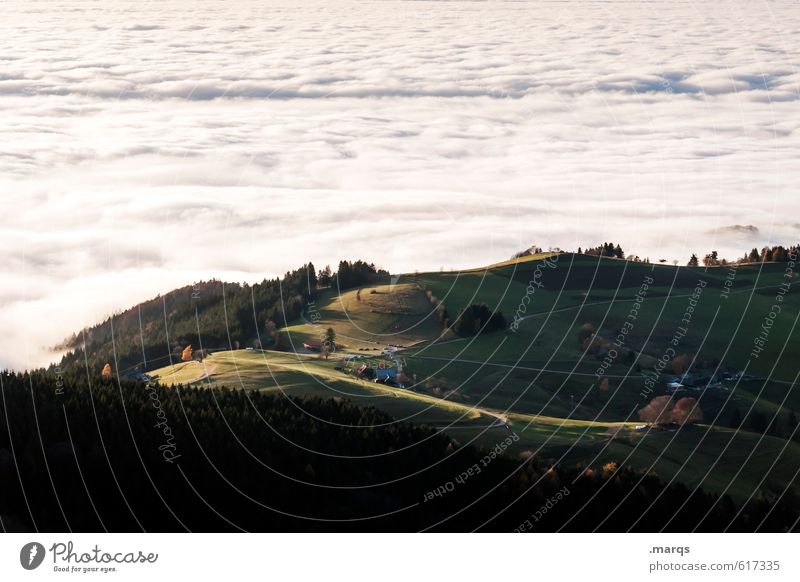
80,454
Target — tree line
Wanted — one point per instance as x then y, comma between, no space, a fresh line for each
767,254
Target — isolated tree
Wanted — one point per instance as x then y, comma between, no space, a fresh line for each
271,330
610,468
329,343
658,410
686,411
711,259
325,351
325,277
186,354
106,371
604,385
693,262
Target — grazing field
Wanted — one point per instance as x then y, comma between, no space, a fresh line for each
304,375
541,367
370,316
309,375
719,460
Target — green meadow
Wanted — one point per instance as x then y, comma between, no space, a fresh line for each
537,380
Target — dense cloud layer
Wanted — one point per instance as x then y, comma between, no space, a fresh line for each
146,145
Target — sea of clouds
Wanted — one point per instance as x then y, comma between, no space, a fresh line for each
145,145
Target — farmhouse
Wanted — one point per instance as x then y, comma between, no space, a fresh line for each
384,373
695,382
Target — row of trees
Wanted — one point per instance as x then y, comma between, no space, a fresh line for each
441,310
666,410
767,254
608,249
774,254
356,274
471,320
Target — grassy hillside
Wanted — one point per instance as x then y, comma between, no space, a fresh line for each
540,367
589,342
309,375
369,316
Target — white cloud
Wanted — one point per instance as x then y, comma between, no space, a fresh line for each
266,134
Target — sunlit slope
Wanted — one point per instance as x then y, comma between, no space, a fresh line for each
717,458
369,316
299,374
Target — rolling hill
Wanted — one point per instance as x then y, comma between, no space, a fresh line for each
589,341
